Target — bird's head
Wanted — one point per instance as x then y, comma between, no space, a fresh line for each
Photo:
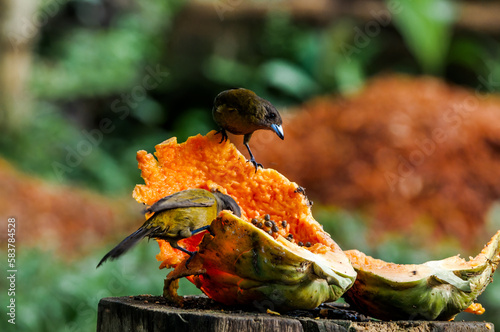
226,202
272,119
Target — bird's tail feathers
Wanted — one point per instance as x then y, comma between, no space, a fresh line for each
126,244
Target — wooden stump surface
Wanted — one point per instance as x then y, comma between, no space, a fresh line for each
151,313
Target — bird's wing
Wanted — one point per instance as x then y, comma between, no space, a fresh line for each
225,109
182,199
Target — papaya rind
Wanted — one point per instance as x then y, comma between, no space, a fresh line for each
242,264
441,290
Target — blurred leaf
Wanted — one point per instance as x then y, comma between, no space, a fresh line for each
89,62
426,29
493,218
193,122
227,71
489,80
280,36
343,61
84,71
467,52
53,295
149,112
283,39
106,172
288,78
347,228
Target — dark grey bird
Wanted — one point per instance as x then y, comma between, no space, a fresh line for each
241,112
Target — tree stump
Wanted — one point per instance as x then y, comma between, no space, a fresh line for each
152,313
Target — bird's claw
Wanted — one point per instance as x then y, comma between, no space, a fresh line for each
256,164
223,134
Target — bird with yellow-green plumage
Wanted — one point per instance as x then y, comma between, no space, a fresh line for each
176,217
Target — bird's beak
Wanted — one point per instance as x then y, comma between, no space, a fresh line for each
278,130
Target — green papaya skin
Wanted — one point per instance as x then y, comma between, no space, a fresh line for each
242,264
436,290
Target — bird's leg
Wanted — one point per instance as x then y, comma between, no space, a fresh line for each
252,159
190,253
201,229
223,133
246,139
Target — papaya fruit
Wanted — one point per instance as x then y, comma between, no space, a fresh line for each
435,290
299,265
278,256
239,263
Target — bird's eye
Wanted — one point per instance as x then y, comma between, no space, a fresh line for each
271,115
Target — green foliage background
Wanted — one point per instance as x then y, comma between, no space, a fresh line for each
82,66
81,69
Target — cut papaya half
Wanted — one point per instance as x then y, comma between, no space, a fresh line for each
275,211
435,290
239,263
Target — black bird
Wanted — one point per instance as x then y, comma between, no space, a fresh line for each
241,112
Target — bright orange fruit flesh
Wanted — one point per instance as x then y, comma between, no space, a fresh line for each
204,162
